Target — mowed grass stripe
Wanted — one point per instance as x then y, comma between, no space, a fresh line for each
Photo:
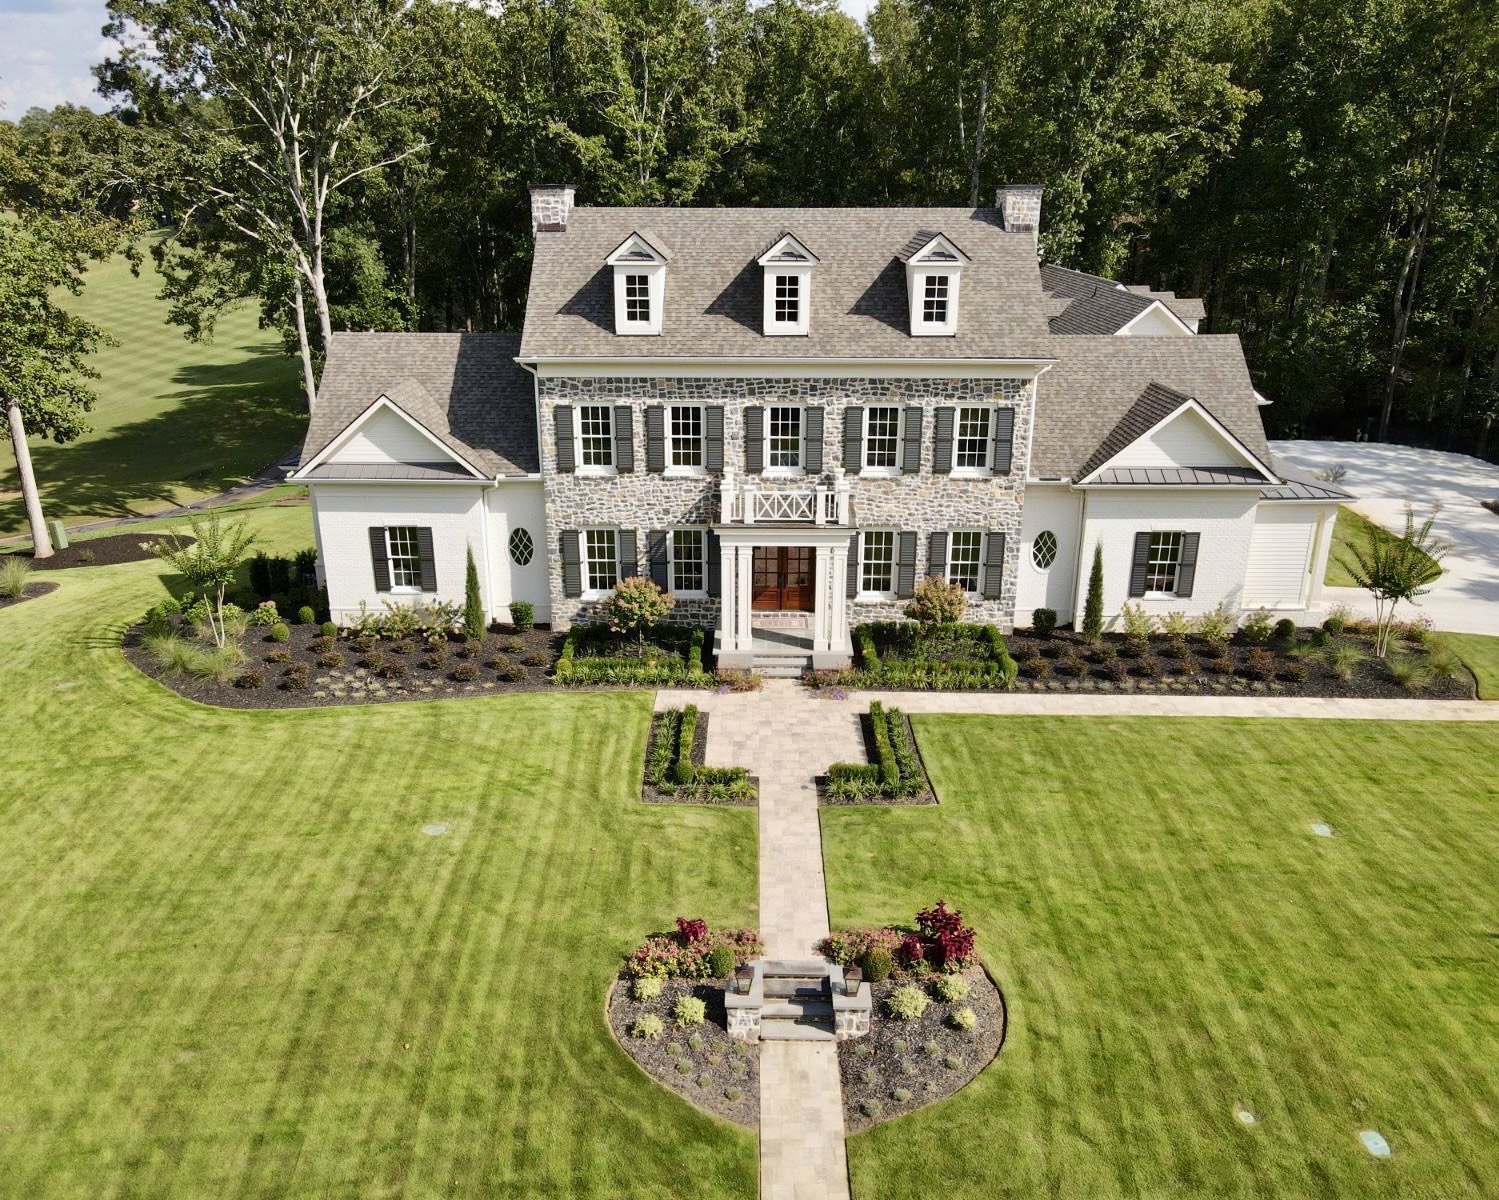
224,930
1173,940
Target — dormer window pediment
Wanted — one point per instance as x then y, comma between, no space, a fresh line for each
934,276
787,266
639,264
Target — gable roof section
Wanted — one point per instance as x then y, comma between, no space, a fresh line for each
1093,401
788,248
463,389
1107,310
929,245
410,404
714,293
1081,286
641,246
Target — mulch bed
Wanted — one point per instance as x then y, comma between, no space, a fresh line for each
927,1057
654,795
33,590
96,552
866,727
716,1066
530,651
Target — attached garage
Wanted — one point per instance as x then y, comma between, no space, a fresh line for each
1281,556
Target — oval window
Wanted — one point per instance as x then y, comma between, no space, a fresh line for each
1044,549
521,547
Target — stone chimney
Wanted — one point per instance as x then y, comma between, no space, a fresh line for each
551,205
1019,207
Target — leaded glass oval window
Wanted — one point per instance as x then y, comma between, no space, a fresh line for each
1044,549
521,547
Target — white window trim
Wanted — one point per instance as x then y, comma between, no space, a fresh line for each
1176,573
585,561
862,596
803,324
918,272
1056,553
598,472
403,589
672,470
800,469
671,562
865,470
983,537
987,470
655,274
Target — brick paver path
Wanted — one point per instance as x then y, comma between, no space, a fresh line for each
786,736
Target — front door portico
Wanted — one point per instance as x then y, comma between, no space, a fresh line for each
783,579
787,569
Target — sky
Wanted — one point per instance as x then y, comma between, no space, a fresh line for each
48,46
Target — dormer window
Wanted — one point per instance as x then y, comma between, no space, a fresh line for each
639,264
788,287
934,272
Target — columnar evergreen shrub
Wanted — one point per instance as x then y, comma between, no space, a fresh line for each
1093,607
473,605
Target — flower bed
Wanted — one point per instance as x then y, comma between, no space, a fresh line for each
894,773
674,770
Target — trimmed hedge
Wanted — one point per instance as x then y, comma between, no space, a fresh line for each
896,770
671,771
670,669
683,772
904,667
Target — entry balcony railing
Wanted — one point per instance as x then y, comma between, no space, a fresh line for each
745,502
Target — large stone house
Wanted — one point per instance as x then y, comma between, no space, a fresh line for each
786,417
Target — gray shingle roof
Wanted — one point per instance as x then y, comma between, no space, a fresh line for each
714,286
1090,401
464,388
1080,285
1107,310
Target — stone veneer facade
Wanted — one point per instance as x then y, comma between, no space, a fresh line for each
922,502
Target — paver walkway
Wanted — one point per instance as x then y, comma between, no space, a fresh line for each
786,735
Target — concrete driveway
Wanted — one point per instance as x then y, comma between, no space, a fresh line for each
1385,479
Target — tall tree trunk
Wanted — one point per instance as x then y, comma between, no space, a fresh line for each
978,139
1410,269
40,539
299,312
1470,344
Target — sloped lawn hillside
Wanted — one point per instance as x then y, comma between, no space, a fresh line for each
1178,948
331,953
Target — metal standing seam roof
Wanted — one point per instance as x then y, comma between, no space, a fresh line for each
1180,477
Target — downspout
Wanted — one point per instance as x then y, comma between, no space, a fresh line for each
1082,556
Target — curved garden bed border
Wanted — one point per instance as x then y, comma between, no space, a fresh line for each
34,591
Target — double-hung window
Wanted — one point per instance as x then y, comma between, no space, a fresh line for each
685,438
1164,563
965,556
881,439
600,559
595,435
877,561
783,437
689,560
934,300
638,298
404,558
788,299
971,438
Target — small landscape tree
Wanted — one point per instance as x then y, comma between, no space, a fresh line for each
473,607
637,605
1093,607
209,559
937,602
1394,569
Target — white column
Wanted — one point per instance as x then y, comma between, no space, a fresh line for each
837,602
822,610
727,592
744,637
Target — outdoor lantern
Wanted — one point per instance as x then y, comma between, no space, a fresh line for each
742,980
852,978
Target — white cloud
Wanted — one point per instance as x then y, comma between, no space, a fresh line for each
45,56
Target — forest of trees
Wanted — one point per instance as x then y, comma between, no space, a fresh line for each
1325,173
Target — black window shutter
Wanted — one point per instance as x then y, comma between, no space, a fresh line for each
572,564
812,430
853,438
853,566
629,553
1004,441
655,545
427,558
713,569
655,438
942,442
562,417
1138,566
936,556
994,564
905,578
713,438
1186,573
379,559
911,450
624,438
754,439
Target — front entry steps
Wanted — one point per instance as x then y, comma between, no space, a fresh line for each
797,1000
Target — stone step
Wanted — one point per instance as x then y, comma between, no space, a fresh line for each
779,668
791,1031
782,987
797,1009
810,968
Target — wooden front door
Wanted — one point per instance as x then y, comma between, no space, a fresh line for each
782,579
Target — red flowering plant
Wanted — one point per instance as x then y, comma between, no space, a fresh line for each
941,942
684,954
947,942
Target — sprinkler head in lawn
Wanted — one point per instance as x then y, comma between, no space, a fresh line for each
1245,1116
1322,830
1374,1143
436,829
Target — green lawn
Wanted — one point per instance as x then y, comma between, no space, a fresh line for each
234,966
175,420
1351,529
1173,941
1480,654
